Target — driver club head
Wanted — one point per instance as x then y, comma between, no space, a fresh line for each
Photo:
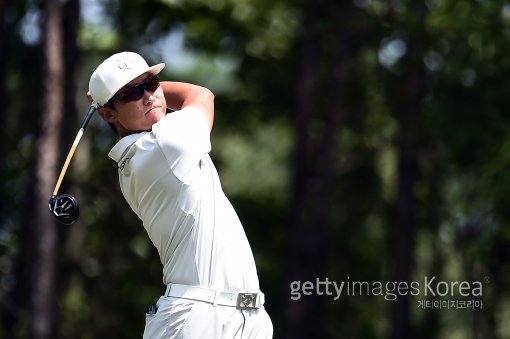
65,208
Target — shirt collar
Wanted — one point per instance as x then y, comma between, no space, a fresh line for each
121,147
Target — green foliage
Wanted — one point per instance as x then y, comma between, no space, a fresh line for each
248,52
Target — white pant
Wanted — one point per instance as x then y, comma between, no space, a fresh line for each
186,319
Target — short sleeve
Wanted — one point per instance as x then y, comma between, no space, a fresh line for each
184,138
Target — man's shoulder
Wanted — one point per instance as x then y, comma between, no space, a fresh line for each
122,146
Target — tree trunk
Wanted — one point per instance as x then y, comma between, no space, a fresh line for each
409,112
9,312
3,58
304,257
314,168
44,226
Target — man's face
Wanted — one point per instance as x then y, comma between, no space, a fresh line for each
131,116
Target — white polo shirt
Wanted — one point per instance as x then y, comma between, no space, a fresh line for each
170,182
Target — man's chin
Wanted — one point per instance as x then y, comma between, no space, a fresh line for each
155,114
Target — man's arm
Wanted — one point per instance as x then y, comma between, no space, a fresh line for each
180,94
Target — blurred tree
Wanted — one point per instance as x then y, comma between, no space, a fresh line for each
3,55
319,108
407,90
378,127
43,226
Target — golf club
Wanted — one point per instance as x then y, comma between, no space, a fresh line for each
64,206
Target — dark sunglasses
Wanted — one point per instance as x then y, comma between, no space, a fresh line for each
136,91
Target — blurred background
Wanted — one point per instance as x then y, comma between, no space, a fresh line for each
360,140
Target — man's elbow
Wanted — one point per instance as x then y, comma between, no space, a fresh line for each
207,102
207,94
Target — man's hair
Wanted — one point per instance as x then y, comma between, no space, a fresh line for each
113,128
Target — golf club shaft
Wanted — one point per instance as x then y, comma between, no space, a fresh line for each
70,155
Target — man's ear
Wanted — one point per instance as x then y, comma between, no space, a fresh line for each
108,114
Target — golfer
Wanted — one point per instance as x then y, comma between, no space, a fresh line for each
170,182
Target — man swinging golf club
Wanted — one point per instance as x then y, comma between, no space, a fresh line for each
170,182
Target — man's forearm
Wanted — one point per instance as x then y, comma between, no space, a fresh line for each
180,94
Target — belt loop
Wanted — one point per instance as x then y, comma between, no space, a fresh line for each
261,300
168,289
215,301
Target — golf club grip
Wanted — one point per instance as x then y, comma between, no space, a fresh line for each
77,139
91,111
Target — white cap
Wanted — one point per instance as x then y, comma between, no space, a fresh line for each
115,72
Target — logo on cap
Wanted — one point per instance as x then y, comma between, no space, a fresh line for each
122,64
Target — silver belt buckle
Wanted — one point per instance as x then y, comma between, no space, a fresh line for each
247,301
